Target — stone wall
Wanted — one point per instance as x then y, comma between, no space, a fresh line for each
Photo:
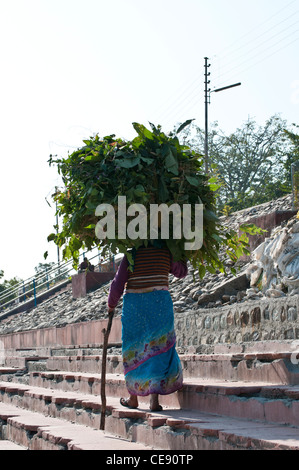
203,331
260,320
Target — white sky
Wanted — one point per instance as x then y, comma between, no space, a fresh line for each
73,68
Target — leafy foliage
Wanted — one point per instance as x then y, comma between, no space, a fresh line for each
8,284
153,168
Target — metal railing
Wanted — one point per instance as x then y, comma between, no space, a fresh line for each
58,274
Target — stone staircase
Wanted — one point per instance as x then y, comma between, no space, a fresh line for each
229,401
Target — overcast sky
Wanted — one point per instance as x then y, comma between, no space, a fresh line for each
74,68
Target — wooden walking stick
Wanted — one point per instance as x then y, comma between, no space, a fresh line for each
106,332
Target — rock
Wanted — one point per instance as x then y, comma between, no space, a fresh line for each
240,295
275,293
276,261
229,287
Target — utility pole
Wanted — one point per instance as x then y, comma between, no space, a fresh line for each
207,99
207,102
57,222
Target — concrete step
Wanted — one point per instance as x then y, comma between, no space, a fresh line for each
11,373
267,367
259,401
11,370
33,431
281,367
22,362
8,445
130,429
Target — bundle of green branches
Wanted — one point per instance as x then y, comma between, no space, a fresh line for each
153,168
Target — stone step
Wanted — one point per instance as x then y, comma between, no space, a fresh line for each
33,431
258,401
22,362
8,445
128,429
267,367
7,372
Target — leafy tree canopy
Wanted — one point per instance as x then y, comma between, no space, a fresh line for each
253,163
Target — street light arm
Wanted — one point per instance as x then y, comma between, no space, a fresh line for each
226,87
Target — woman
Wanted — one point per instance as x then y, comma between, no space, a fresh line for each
151,363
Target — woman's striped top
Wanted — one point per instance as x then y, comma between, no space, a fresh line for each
151,269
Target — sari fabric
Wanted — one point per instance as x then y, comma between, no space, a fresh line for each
150,360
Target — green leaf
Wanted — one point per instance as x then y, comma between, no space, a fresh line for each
252,229
51,237
90,205
163,191
209,215
239,252
75,244
147,160
192,180
217,238
94,192
185,124
170,160
171,163
211,269
127,162
143,131
201,271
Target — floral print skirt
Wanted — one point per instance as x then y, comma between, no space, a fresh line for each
151,363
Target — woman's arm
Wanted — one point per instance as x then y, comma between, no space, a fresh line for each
118,284
178,268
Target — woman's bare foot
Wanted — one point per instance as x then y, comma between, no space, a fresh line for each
154,403
131,402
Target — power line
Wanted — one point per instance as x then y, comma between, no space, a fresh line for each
179,105
184,112
258,54
257,26
260,44
269,55
193,84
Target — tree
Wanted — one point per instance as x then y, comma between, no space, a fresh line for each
249,162
46,274
8,284
291,165
2,288
43,268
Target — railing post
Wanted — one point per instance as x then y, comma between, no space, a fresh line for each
47,277
99,255
34,292
24,290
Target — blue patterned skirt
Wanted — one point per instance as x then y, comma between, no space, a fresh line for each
151,363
